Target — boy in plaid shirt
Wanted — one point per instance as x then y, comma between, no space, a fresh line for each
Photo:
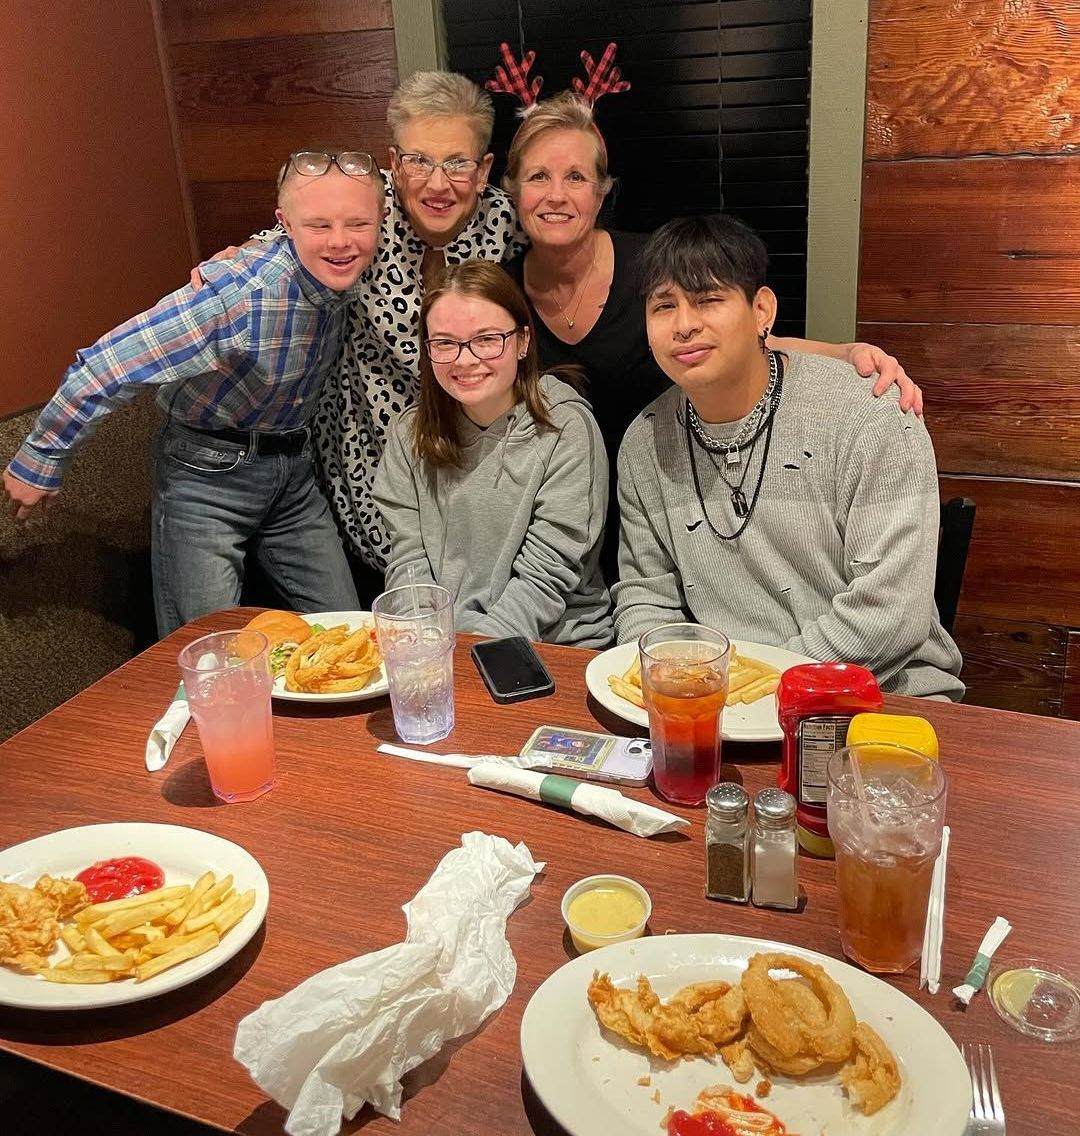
237,367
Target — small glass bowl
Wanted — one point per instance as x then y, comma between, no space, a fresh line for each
587,938
1036,998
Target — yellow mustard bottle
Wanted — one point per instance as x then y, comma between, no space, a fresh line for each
901,729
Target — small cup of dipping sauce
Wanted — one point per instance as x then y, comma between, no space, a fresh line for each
600,910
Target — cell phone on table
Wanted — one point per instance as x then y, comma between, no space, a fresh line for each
596,757
512,671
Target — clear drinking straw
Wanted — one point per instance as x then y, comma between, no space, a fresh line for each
413,592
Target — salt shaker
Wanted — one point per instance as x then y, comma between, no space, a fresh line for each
727,843
775,862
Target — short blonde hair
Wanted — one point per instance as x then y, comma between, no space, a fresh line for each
564,111
442,94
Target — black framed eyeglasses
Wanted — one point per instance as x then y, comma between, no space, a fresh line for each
489,345
421,166
315,163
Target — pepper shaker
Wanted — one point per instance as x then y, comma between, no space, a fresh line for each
775,859
727,843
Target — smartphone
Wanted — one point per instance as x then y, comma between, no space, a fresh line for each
596,757
511,669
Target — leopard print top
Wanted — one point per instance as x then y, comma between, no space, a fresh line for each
377,373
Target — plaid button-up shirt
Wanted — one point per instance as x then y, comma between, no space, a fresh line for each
248,351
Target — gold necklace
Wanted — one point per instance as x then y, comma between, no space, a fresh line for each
571,320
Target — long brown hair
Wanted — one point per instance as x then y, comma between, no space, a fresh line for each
435,436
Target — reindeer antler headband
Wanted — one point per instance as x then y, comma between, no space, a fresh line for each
512,77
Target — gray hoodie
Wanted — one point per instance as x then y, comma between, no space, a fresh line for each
513,534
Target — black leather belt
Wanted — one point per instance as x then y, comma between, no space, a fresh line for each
290,443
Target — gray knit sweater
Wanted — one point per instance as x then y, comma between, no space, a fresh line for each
838,560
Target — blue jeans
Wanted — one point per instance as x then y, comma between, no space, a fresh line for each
213,501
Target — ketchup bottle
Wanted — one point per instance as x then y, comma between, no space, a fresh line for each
815,703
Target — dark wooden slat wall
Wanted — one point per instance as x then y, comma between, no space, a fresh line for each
255,79
970,273
716,117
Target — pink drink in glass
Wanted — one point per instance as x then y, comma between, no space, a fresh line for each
228,682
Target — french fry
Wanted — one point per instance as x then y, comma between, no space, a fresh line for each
121,921
235,910
73,938
114,963
632,674
625,690
767,684
202,885
98,911
196,946
214,896
97,944
163,946
80,977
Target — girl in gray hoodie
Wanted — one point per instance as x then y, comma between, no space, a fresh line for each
495,484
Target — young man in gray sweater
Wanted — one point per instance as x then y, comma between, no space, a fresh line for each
771,496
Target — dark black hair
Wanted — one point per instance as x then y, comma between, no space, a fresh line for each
699,253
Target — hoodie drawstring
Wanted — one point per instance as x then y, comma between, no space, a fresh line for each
510,421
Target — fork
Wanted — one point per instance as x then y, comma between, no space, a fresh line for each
987,1113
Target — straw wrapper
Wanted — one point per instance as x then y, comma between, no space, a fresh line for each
468,760
578,796
976,976
167,730
346,1037
930,974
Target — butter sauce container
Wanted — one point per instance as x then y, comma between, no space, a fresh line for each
601,910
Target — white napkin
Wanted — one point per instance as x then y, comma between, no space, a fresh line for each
167,730
346,1036
579,796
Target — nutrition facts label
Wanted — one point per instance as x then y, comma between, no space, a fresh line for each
818,740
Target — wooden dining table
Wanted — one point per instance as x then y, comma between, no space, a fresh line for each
348,835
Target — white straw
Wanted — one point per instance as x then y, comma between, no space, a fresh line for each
467,760
976,976
413,593
930,975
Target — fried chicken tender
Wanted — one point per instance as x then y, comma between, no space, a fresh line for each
695,1021
30,919
738,1058
871,1078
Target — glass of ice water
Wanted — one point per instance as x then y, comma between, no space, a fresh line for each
415,625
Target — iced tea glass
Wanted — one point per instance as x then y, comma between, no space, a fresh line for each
415,625
886,808
684,681
228,683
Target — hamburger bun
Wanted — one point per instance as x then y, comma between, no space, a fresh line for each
281,627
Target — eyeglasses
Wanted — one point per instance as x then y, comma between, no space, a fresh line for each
421,166
488,346
315,163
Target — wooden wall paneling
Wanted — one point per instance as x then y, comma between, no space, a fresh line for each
192,21
968,77
231,211
1022,562
988,241
239,114
1001,399
1013,666
1070,693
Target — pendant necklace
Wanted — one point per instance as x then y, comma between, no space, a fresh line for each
570,320
743,509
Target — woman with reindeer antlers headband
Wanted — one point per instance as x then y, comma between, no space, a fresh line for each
583,282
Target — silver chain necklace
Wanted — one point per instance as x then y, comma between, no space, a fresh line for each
749,428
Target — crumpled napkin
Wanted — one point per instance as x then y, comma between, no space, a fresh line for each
578,796
167,730
347,1036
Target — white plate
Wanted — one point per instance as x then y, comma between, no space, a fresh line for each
183,854
588,1079
374,689
754,723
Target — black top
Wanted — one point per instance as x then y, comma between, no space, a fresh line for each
621,376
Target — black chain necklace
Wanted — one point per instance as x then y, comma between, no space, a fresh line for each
742,508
